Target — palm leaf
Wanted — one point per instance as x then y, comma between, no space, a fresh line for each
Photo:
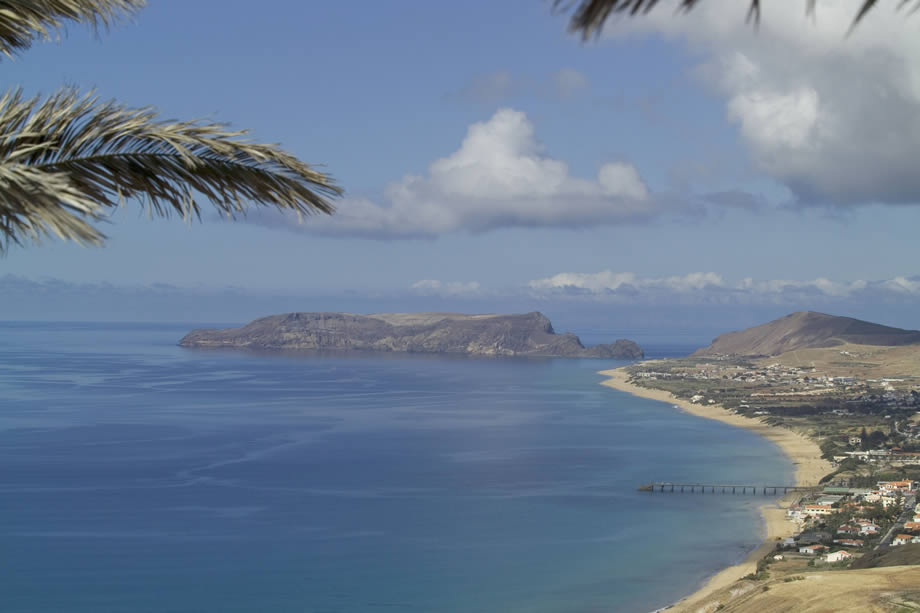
66,158
590,15
24,21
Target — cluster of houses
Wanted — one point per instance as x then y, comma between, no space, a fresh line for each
795,381
854,533
911,531
772,374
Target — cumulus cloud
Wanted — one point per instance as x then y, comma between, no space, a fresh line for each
499,177
713,287
831,117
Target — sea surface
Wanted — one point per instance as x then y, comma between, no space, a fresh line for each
139,476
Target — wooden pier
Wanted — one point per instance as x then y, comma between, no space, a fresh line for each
667,486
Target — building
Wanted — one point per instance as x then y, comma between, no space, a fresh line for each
905,458
837,556
873,455
896,486
812,549
817,510
904,539
850,542
855,441
887,499
912,526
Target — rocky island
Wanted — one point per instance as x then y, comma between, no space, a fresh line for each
529,334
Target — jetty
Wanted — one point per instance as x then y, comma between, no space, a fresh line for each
668,486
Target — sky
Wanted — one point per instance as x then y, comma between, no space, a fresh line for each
679,171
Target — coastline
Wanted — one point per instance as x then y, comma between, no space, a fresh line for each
803,452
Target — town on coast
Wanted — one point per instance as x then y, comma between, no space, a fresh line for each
848,417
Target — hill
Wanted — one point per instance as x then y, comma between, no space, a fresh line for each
528,334
903,555
883,590
805,330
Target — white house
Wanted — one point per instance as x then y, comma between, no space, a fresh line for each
837,556
812,549
886,499
816,510
868,528
896,486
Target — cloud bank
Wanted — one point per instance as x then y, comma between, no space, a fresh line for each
831,117
710,287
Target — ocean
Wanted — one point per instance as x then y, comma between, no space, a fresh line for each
139,476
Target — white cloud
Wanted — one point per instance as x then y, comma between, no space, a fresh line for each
609,281
500,177
902,285
832,117
710,286
429,287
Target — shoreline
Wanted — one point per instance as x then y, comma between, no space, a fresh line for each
802,452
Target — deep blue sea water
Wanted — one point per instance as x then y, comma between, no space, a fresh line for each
139,476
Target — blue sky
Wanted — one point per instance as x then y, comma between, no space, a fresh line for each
493,161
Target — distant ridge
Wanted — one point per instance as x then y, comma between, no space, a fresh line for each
529,334
804,330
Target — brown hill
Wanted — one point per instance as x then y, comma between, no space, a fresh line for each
529,334
806,330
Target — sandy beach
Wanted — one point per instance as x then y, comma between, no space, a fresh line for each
804,453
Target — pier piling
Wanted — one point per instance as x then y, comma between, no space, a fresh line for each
673,487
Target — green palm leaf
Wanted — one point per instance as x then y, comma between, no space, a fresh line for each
65,159
24,21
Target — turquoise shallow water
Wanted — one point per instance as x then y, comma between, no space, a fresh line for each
139,476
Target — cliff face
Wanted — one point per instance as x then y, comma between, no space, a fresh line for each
806,330
530,334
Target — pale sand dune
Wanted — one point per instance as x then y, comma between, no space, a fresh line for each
804,453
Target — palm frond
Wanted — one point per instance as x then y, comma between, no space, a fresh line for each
104,153
24,21
35,203
590,15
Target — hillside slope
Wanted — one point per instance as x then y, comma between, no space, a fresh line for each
806,330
